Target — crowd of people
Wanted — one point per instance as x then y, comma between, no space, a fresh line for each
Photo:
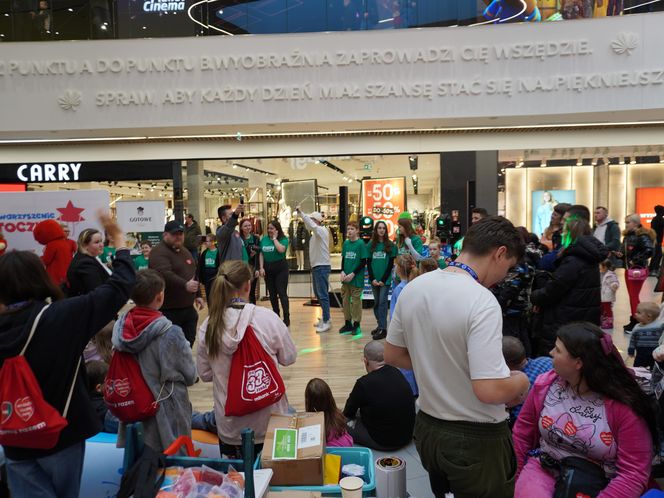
499,363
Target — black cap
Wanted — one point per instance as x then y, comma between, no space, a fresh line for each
173,227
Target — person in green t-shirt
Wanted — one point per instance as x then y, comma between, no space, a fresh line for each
274,268
408,242
252,249
208,264
381,254
353,259
142,260
108,255
434,252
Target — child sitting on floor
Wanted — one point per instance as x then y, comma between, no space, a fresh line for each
645,334
318,398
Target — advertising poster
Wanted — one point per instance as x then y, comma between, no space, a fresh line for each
141,220
21,211
646,200
542,204
384,199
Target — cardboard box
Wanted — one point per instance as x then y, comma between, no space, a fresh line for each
294,449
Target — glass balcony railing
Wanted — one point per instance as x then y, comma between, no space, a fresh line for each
31,20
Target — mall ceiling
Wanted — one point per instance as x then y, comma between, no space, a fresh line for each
334,171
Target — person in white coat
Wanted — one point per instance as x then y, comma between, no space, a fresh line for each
319,256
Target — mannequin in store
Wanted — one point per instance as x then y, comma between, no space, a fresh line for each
301,243
285,213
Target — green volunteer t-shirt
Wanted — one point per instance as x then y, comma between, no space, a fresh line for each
107,255
417,245
380,259
441,263
210,258
245,254
352,253
270,253
140,262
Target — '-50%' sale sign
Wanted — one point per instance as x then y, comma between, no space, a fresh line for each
384,199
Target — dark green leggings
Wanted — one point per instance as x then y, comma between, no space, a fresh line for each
469,459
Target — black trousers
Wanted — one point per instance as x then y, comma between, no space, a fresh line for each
186,319
252,294
276,281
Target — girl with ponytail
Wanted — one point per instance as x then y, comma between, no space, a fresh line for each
219,337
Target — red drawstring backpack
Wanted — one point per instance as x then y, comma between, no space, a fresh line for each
26,418
254,381
126,393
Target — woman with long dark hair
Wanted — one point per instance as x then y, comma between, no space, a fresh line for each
274,268
381,261
408,242
252,246
589,407
318,398
219,338
54,355
573,292
636,250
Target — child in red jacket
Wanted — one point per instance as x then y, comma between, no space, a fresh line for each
57,253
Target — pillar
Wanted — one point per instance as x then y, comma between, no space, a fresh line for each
468,179
196,191
178,192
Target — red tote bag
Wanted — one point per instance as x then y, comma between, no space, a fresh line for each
27,420
254,381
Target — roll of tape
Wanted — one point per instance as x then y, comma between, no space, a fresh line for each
391,478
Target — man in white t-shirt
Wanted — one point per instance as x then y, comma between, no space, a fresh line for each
319,257
447,327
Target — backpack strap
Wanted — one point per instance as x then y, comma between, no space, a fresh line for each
78,366
32,330
71,389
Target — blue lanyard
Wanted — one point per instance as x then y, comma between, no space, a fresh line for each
465,268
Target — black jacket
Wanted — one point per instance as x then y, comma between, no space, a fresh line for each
638,247
63,331
85,274
573,293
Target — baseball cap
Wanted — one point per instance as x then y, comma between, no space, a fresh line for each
316,216
173,227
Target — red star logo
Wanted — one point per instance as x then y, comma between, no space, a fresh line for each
70,213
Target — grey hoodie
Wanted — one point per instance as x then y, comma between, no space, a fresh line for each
167,365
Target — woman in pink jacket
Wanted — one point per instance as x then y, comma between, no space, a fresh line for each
220,336
589,407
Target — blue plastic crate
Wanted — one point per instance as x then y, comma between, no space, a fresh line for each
356,455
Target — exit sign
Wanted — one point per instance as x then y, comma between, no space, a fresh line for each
367,167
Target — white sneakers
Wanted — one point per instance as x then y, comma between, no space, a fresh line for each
318,323
323,326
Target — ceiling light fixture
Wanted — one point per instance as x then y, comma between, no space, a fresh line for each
251,168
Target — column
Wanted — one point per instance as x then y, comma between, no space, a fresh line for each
178,192
468,179
196,191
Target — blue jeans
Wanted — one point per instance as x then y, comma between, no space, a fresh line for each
321,276
53,476
380,304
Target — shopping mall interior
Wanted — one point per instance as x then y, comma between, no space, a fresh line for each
353,109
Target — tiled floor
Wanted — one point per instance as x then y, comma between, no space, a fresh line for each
338,360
